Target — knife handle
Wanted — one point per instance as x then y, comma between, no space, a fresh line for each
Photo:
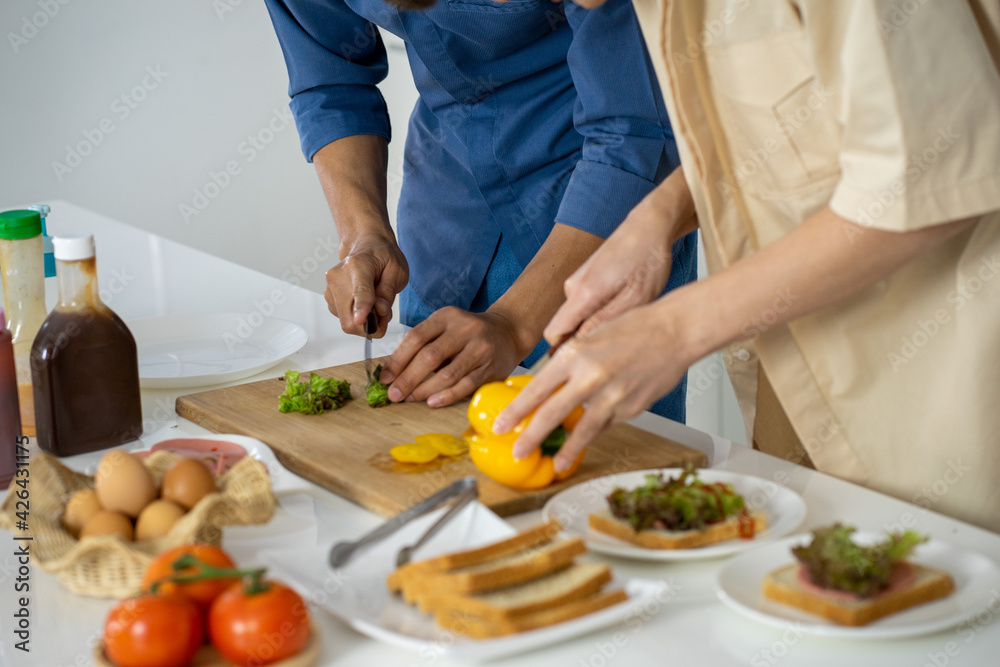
371,324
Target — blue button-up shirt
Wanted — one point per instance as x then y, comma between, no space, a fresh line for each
530,112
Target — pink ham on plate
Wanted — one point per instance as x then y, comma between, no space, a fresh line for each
217,455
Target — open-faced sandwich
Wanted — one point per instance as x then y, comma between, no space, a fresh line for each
854,585
526,582
680,512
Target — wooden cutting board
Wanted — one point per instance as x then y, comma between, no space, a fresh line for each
347,451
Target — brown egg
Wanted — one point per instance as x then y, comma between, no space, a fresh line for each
157,519
108,522
79,508
187,482
123,483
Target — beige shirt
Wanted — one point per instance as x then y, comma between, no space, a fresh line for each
888,112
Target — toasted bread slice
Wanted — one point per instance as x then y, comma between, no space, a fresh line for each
481,628
541,534
674,539
783,585
569,584
507,571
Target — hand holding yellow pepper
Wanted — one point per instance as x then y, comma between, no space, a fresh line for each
493,454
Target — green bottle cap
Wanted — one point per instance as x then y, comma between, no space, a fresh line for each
16,225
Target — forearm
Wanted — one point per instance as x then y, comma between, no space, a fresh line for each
826,259
352,172
673,198
536,295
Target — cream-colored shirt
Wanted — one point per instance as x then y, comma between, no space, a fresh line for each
888,111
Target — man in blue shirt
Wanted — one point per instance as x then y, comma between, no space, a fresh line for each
539,126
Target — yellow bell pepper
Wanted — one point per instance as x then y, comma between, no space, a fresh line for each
493,454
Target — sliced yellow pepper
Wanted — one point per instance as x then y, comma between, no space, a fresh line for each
414,453
444,443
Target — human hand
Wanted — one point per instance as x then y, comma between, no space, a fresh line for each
368,277
616,371
630,269
463,350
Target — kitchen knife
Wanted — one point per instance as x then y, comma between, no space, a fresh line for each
545,358
371,326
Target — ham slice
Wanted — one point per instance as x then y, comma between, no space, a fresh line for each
217,455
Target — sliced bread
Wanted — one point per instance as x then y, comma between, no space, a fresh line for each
482,628
538,535
783,585
569,584
674,539
506,571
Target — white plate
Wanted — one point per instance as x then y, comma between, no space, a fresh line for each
197,350
357,593
784,508
975,576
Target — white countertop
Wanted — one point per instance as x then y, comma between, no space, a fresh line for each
145,276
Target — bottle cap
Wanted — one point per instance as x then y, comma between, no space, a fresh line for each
15,225
71,247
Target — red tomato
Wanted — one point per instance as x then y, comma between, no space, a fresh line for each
258,628
154,631
202,592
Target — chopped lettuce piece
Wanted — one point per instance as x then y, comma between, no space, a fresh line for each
832,560
315,396
376,392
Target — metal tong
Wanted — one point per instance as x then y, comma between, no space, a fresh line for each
465,489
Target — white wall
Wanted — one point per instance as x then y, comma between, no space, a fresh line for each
218,99
156,100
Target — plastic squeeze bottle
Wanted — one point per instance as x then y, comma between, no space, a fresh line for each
10,418
84,364
23,270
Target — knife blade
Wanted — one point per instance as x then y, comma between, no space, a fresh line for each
371,326
545,358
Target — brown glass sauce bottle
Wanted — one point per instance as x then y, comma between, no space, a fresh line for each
84,365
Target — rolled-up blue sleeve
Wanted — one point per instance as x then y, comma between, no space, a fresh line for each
628,145
335,60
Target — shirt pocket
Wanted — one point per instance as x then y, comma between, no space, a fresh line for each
780,123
